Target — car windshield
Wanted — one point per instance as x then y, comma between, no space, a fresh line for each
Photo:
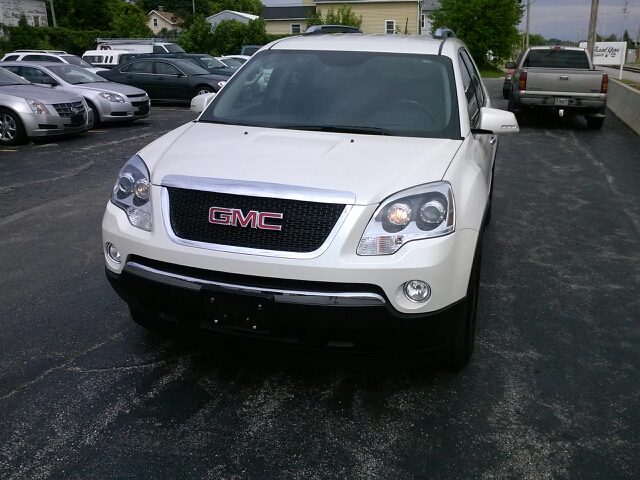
351,92
212,62
73,60
75,75
232,62
190,68
8,78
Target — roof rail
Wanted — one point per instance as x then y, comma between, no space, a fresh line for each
29,50
444,33
137,41
322,29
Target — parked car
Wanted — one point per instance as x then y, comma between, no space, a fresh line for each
168,79
110,102
106,58
212,64
559,80
29,111
342,207
52,56
138,45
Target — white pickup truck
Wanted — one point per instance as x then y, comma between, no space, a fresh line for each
561,80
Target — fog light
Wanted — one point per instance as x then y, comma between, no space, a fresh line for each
417,291
113,253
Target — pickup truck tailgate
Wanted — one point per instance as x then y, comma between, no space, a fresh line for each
568,80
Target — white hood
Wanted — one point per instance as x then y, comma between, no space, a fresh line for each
370,166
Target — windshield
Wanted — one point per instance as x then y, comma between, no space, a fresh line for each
73,60
352,92
232,62
173,48
212,62
8,78
190,68
75,75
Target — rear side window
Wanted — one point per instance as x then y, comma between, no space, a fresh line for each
138,67
557,58
472,86
10,58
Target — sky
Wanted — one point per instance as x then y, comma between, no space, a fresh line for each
569,19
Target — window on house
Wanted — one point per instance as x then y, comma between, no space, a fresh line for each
296,28
390,27
36,21
155,22
423,22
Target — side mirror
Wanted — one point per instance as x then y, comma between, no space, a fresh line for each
199,103
496,122
509,65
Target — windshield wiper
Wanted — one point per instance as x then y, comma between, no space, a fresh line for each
341,129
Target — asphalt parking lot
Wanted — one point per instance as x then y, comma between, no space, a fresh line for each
552,390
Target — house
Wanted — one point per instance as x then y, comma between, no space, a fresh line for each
35,12
286,20
230,15
378,16
158,20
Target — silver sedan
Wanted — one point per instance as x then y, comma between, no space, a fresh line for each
29,111
110,102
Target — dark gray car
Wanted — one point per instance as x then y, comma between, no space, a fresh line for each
167,79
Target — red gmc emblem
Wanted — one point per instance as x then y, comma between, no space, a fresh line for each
235,217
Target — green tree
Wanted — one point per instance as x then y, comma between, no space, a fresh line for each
536,40
182,9
628,39
344,16
231,35
486,26
26,36
199,38
129,21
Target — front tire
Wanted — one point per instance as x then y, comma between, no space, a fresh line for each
11,128
464,336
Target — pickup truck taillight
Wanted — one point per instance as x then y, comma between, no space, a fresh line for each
605,83
522,83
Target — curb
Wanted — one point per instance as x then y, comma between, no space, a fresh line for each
624,102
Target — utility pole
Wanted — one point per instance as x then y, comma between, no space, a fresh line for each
53,13
593,21
193,5
526,42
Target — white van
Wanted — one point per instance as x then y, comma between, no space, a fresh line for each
138,45
104,58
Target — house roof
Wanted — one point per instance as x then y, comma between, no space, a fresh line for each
169,17
286,13
232,13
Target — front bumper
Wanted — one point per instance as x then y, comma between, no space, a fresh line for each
51,125
291,313
127,111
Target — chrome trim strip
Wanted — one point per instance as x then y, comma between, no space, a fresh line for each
166,220
259,189
361,299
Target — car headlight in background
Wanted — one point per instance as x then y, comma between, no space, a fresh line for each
421,212
112,97
37,107
132,193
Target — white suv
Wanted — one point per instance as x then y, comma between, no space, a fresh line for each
56,56
342,206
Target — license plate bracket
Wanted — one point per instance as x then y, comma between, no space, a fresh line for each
239,311
563,101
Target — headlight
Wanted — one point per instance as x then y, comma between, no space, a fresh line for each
132,193
112,97
37,107
422,212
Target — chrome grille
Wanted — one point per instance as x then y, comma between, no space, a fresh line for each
67,110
